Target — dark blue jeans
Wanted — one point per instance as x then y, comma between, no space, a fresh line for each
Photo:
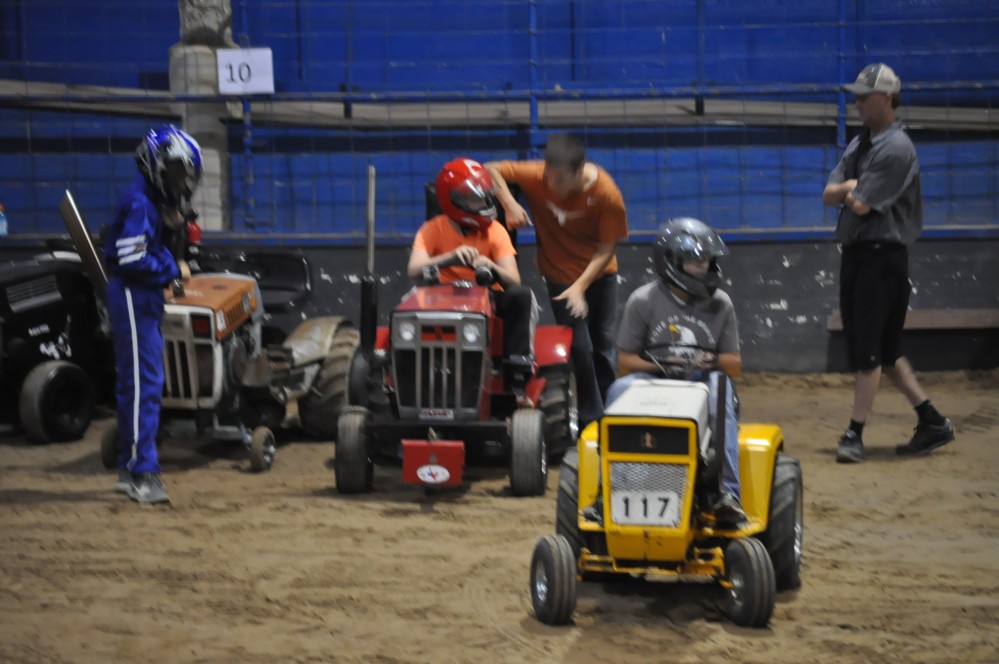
592,343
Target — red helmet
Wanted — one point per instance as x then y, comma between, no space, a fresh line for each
465,193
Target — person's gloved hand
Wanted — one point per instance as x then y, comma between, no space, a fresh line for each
704,360
173,218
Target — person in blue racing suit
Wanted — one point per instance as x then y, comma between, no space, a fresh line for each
140,267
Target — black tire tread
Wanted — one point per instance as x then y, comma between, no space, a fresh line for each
352,465
779,535
749,556
110,447
43,427
556,405
319,407
555,554
567,502
527,433
262,438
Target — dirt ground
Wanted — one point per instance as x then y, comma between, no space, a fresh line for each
901,555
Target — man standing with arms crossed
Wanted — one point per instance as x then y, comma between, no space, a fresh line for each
579,217
877,184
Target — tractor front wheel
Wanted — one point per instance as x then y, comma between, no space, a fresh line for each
262,449
353,466
528,454
553,580
751,595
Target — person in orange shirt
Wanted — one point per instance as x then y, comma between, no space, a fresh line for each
579,217
463,239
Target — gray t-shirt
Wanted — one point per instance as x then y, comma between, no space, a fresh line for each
887,173
654,317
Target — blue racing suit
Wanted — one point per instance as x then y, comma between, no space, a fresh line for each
139,267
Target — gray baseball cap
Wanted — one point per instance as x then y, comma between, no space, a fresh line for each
875,78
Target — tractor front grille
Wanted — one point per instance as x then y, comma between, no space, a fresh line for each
178,379
630,476
438,372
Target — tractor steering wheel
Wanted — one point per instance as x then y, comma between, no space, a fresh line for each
484,276
683,364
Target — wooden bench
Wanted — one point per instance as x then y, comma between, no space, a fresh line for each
936,319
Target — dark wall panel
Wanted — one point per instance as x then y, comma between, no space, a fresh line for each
783,293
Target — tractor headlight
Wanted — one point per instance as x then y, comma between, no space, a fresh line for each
407,331
471,332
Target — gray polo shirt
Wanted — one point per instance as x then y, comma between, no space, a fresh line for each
888,181
655,317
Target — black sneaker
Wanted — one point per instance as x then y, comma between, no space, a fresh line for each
728,511
927,437
595,512
851,448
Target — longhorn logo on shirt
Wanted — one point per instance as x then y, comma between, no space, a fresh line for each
561,215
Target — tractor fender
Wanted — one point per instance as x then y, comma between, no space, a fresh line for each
759,445
382,336
312,340
589,466
552,344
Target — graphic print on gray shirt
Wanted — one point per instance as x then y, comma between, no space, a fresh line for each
654,318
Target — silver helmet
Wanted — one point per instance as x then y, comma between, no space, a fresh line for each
688,239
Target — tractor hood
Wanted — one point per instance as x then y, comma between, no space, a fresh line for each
450,297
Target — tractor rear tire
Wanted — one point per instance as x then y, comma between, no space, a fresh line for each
559,403
553,580
750,600
319,407
56,402
785,533
567,502
528,453
110,447
353,466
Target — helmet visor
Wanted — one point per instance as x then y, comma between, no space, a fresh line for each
476,201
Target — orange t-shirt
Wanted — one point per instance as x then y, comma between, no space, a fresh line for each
437,236
569,229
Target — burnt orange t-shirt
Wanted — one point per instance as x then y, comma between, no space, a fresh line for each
437,236
569,229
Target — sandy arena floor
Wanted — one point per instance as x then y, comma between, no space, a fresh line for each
901,556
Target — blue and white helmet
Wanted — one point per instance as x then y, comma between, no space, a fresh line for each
160,148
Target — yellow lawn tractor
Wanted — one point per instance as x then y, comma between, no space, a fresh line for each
635,496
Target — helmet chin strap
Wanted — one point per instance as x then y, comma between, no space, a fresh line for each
680,295
173,217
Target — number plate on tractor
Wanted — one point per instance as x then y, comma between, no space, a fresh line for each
645,508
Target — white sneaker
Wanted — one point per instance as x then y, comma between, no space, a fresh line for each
148,488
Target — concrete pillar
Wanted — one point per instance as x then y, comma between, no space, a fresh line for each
205,26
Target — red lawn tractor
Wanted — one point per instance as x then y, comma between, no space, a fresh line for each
433,385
